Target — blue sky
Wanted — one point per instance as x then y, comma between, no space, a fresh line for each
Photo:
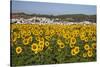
51,8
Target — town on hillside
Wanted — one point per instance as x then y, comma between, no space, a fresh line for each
22,18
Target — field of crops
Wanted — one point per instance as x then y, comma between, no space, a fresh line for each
33,44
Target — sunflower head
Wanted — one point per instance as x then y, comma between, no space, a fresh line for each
94,38
40,47
84,55
46,43
72,40
94,45
34,47
72,52
41,39
76,50
86,47
25,41
86,39
61,45
30,39
59,41
66,41
90,53
71,45
41,43
18,50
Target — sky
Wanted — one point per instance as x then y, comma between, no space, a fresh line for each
51,8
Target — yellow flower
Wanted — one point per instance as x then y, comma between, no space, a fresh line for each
59,41
94,45
61,45
90,53
66,41
73,35
71,45
52,32
47,32
86,47
25,41
76,50
86,39
14,36
46,43
40,32
67,36
41,43
30,39
47,37
28,32
84,55
72,52
36,32
40,47
34,48
82,37
90,49
37,38
18,35
18,50
14,39
94,38
73,40
41,39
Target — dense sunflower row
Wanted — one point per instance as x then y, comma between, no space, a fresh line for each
52,43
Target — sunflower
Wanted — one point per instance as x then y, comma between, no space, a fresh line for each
47,37
34,47
76,49
94,38
40,47
22,35
25,41
89,34
47,32
72,40
59,41
86,47
61,45
14,36
90,49
36,32
82,37
72,52
41,43
52,32
41,39
28,32
86,39
30,39
14,39
90,53
46,43
37,38
71,45
84,55
66,41
94,45
67,36
18,50
40,32
18,35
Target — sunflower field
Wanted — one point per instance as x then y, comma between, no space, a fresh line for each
36,44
